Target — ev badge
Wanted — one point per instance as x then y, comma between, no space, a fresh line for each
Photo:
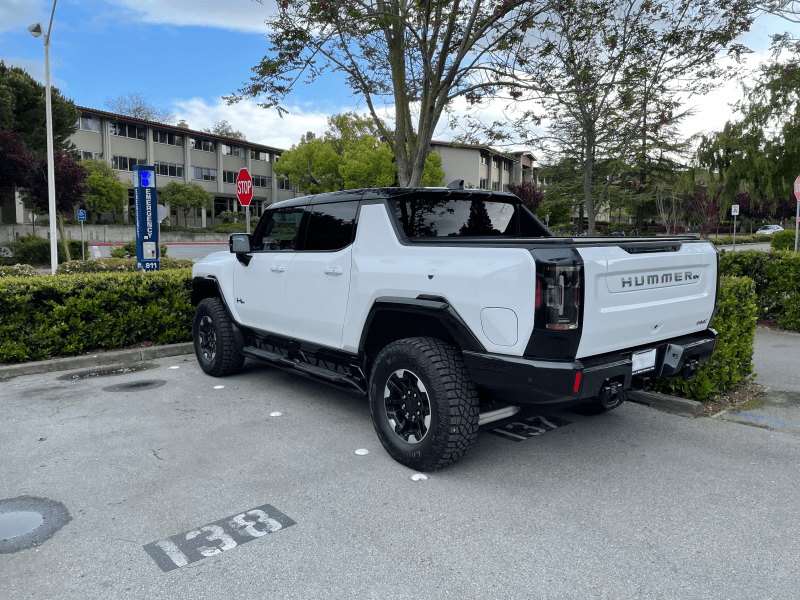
431,273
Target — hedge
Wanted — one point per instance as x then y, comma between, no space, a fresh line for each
18,270
34,250
733,359
116,265
782,240
741,239
777,281
64,315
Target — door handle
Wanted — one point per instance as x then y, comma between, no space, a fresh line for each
332,271
277,269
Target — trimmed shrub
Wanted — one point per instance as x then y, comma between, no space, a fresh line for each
34,250
741,239
114,265
777,279
733,359
129,251
782,240
64,315
18,270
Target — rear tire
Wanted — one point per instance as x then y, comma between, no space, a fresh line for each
424,405
217,346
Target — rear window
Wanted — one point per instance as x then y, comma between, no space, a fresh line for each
456,218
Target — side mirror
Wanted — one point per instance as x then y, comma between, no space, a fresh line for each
240,243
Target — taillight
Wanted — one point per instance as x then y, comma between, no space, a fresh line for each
561,296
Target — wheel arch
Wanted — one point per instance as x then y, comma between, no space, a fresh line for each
394,318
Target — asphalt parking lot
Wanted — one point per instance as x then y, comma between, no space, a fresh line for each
189,491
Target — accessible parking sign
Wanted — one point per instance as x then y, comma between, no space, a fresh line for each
146,208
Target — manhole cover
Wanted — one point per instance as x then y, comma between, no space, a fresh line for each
107,371
135,386
26,522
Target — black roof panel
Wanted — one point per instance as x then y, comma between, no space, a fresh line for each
395,192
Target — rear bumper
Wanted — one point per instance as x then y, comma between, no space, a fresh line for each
528,381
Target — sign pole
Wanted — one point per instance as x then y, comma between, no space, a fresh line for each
797,217
83,249
244,192
247,218
734,212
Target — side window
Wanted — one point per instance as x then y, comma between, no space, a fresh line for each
278,230
331,226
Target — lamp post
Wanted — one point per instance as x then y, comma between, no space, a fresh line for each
36,30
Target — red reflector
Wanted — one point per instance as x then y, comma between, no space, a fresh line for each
577,382
538,294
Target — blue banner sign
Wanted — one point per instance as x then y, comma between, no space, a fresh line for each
81,215
146,208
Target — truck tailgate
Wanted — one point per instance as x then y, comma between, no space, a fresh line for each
638,293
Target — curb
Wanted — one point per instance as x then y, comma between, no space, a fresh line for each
93,360
666,403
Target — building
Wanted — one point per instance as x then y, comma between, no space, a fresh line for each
483,167
179,154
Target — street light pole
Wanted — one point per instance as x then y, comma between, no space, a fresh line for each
36,31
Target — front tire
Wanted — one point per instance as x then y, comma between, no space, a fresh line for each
424,405
216,345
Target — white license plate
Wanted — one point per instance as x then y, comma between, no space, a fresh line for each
644,361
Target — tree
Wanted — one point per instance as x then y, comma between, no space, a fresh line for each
104,191
530,195
184,197
136,105
22,110
70,186
607,72
417,57
347,157
224,129
15,161
701,207
760,153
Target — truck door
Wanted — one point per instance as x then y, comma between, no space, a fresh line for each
318,285
259,288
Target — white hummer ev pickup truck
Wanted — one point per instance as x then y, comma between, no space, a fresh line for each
451,307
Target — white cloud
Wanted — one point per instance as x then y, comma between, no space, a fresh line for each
17,14
238,15
260,125
35,69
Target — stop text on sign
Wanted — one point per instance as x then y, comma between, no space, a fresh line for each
244,187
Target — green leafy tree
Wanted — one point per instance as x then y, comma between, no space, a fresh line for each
417,57
104,191
760,152
184,197
22,110
312,166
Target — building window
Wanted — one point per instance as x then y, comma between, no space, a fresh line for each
259,155
167,137
232,150
127,130
284,184
229,176
262,182
169,169
123,163
505,187
506,166
483,184
496,186
484,159
495,163
88,123
201,144
203,174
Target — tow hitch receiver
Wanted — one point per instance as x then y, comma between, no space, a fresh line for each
611,395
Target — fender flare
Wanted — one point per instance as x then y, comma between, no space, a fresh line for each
431,306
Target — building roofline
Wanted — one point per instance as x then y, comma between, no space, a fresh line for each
175,128
488,149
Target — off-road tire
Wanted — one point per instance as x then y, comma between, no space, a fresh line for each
211,321
450,392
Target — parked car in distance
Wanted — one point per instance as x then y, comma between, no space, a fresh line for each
769,229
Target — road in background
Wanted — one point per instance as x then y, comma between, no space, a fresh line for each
194,252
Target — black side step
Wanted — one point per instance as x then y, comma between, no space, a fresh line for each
304,368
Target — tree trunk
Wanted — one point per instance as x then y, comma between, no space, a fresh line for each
64,244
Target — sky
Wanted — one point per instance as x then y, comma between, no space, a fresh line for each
185,55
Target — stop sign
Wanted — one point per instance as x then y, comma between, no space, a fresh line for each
244,187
